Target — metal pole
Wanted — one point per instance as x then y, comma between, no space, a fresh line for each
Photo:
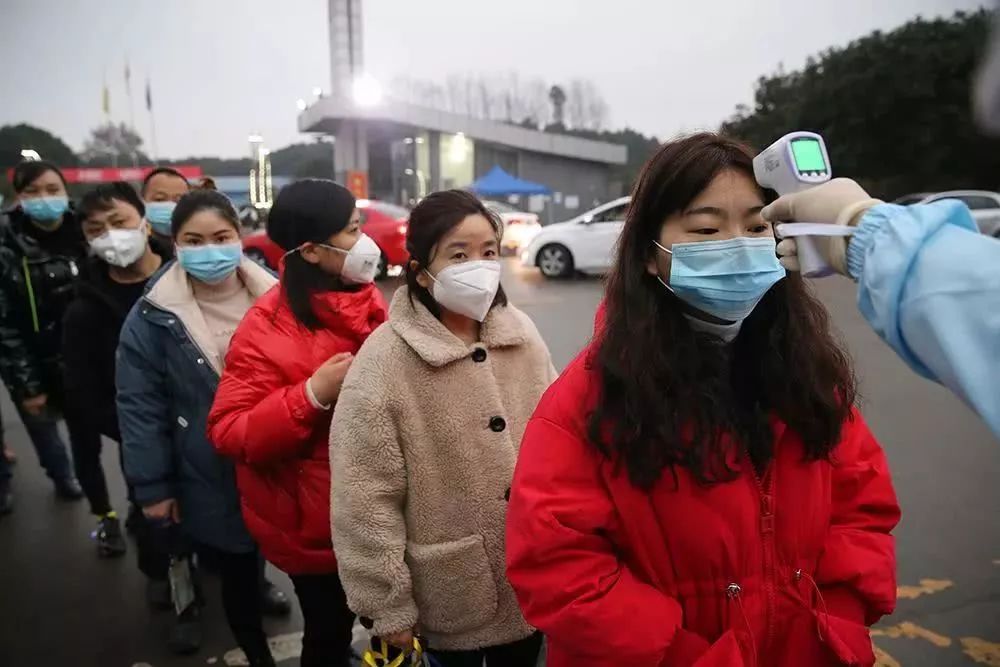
152,133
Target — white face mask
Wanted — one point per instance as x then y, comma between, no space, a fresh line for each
467,288
361,262
121,247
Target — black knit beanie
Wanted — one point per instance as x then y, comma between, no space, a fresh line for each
309,211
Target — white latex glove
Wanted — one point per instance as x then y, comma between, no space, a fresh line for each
838,202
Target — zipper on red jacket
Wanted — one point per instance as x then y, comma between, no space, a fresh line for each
765,491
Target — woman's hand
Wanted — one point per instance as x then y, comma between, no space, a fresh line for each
402,639
329,377
165,510
837,202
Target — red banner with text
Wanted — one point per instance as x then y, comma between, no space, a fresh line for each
109,174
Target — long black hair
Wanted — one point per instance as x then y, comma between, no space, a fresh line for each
668,394
436,215
309,211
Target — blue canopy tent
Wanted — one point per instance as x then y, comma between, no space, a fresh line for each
497,183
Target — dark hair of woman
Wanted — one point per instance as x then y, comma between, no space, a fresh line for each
26,173
436,215
202,200
310,210
299,281
668,394
102,198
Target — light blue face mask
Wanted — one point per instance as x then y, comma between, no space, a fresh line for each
210,263
726,279
45,209
158,214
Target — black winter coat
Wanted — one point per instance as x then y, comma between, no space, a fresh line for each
91,328
38,271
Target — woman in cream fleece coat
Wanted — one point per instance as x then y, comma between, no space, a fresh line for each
423,444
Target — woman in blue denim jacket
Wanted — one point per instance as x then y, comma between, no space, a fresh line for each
170,357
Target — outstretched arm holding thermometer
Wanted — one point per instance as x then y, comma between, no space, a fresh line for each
928,281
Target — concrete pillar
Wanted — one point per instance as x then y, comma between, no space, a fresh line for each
346,63
351,149
434,151
346,45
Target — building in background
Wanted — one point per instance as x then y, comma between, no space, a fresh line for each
399,152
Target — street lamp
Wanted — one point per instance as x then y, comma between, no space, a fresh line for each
30,154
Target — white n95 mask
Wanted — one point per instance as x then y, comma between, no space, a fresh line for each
361,262
121,247
467,288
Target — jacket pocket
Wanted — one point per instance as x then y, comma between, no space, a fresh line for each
815,639
452,584
850,642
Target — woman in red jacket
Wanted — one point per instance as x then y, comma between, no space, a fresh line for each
698,488
283,373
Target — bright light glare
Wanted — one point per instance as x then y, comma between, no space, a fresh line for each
317,92
459,149
255,138
363,203
301,104
30,154
367,91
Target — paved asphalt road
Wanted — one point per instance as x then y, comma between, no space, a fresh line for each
61,606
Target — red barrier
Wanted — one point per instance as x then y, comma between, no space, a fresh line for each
109,174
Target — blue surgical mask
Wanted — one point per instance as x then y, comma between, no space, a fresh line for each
45,209
210,263
158,214
726,279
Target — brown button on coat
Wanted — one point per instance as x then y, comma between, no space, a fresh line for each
422,449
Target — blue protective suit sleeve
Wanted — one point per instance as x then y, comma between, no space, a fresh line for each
929,284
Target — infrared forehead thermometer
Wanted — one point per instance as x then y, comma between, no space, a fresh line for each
793,163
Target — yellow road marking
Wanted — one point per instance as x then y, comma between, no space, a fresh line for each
883,659
926,587
911,631
981,651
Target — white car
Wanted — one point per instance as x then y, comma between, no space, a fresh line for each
586,243
518,227
984,205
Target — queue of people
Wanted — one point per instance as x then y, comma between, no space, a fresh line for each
696,488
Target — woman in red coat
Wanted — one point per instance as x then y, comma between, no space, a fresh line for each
283,373
698,488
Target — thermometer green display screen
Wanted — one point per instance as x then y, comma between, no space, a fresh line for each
808,155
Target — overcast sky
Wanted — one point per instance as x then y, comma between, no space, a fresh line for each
224,68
